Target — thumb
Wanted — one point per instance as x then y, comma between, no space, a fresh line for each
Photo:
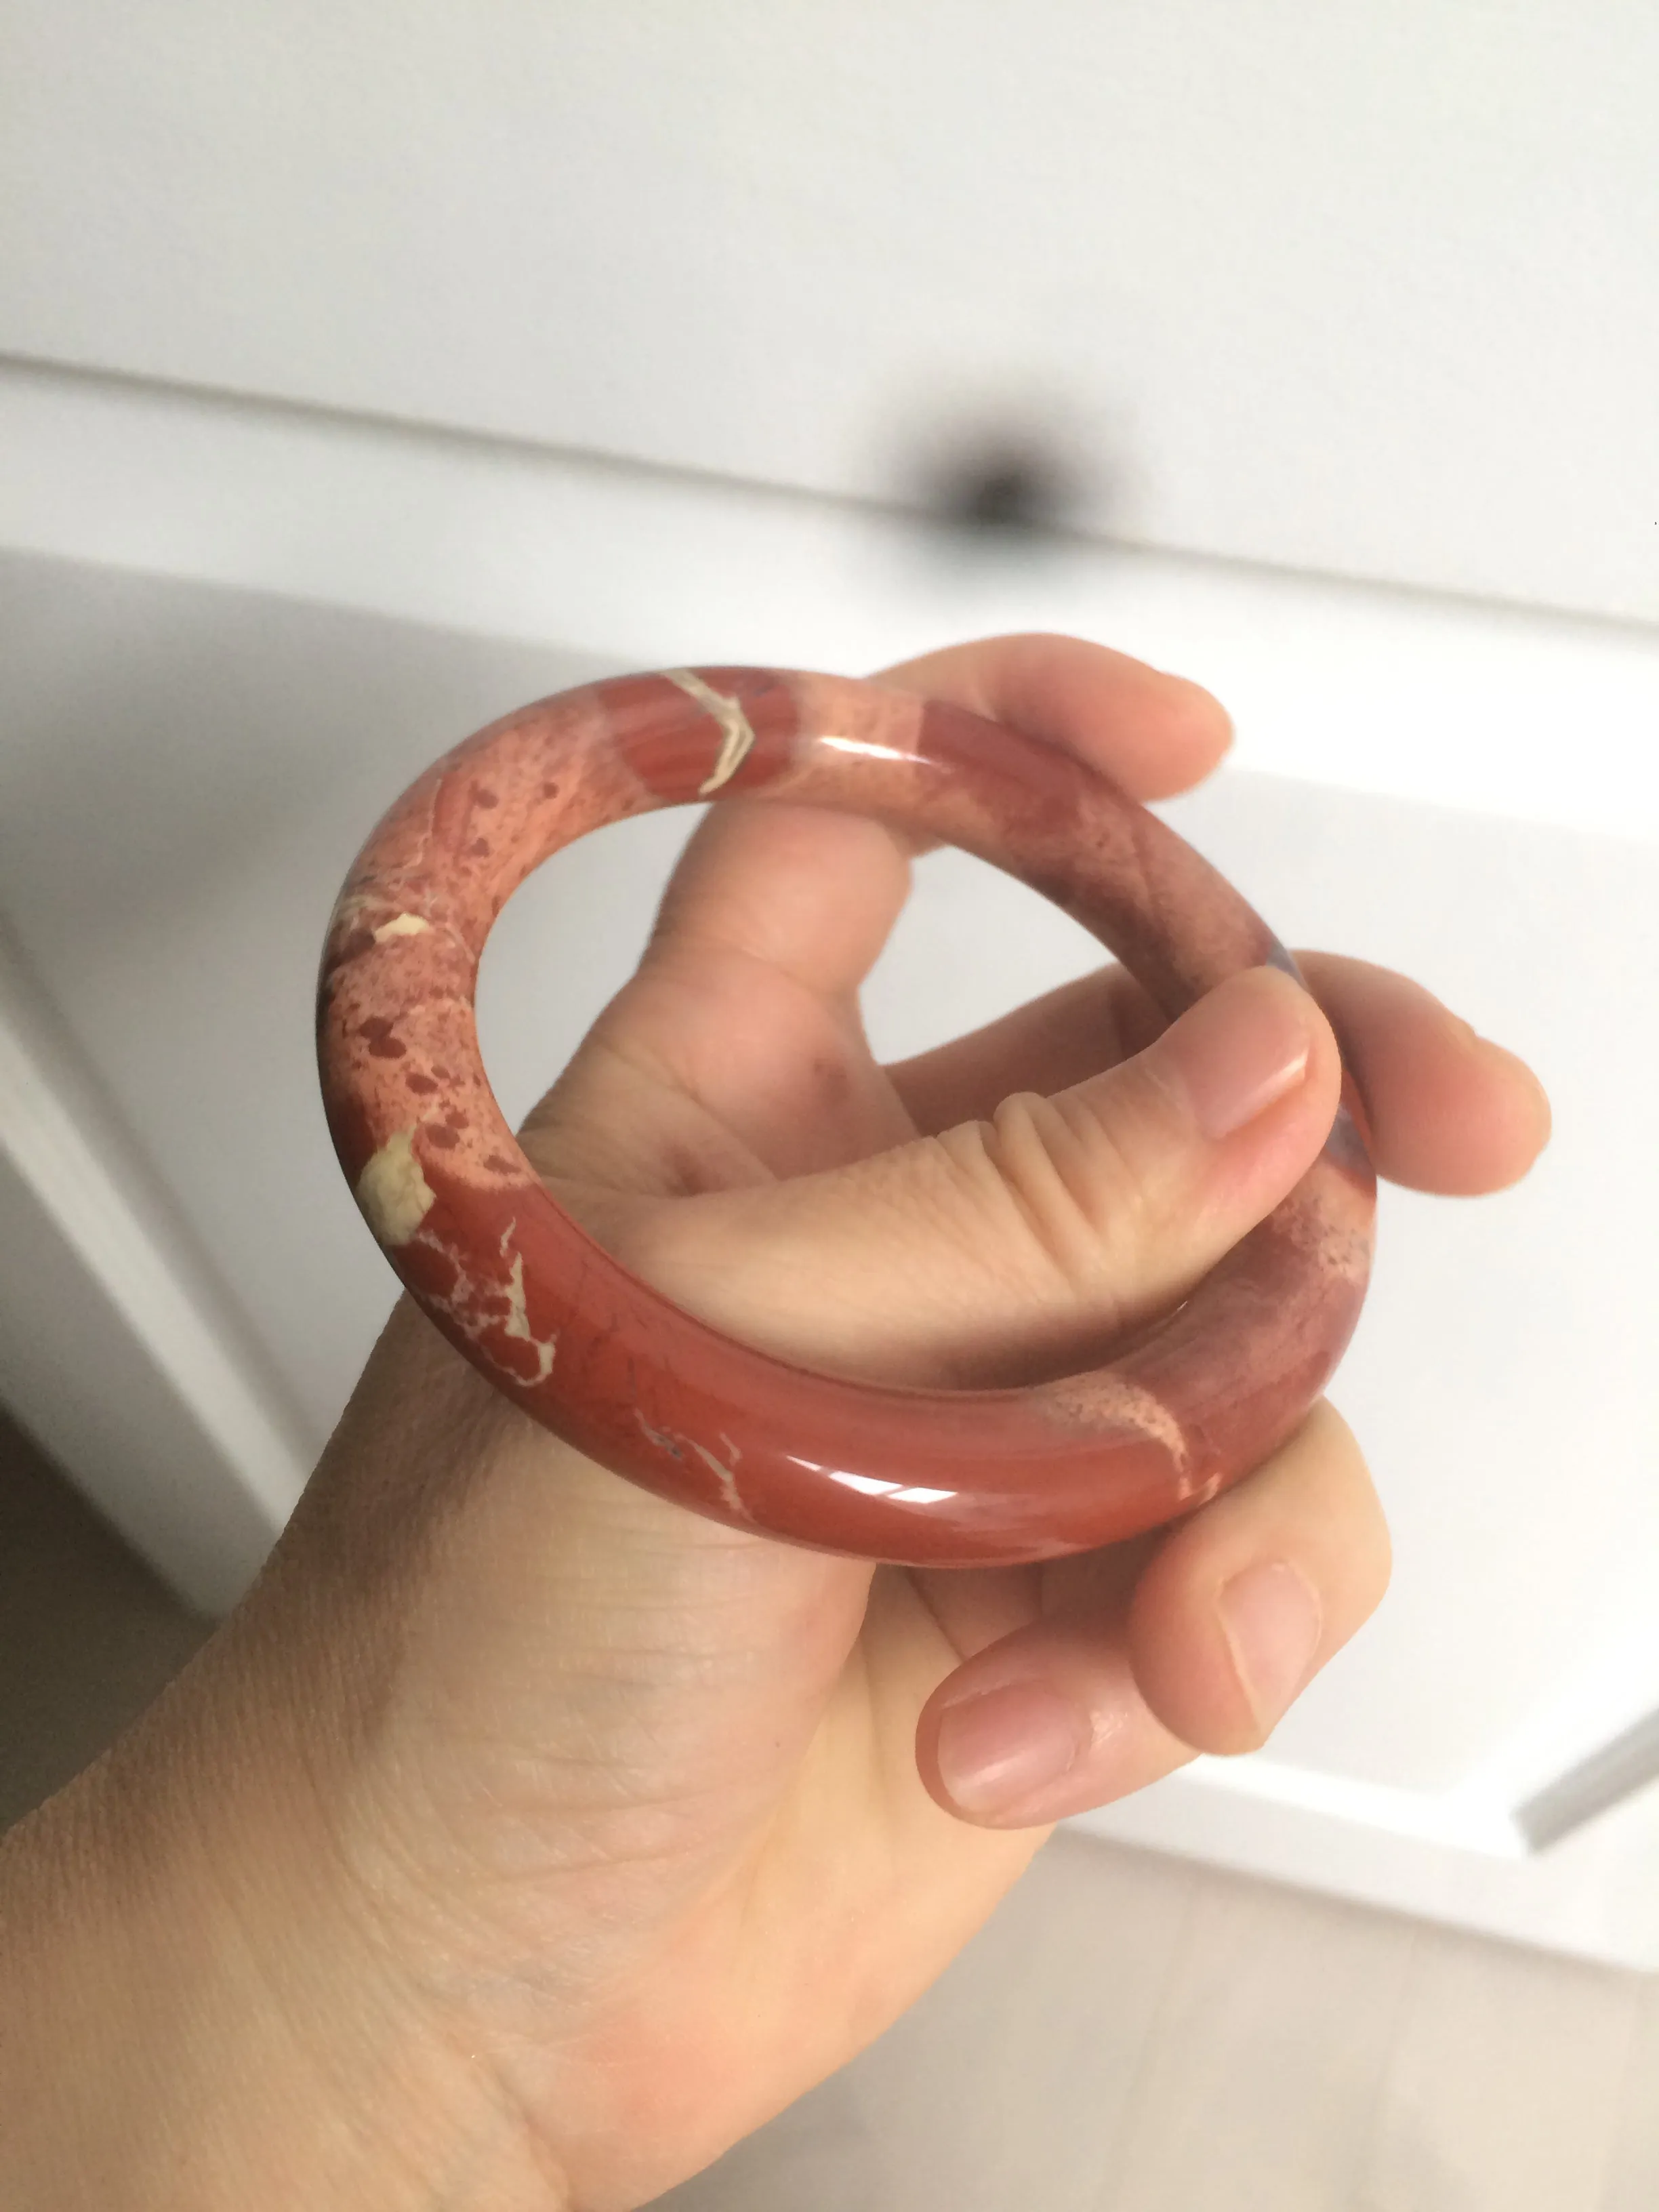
1004,1251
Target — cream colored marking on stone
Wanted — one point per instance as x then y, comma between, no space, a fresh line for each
476,1326
394,1193
737,737
676,1448
1153,1417
403,925
518,1327
1344,1217
1088,1397
724,1476
663,1438
472,1325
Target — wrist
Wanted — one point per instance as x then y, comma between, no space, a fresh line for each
195,2012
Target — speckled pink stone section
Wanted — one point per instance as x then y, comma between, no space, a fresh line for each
920,1477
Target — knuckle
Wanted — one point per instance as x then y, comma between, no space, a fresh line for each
1065,1178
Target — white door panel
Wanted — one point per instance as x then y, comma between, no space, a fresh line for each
1372,292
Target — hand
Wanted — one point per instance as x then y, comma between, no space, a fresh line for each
613,1828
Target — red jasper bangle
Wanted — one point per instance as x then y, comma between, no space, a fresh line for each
941,1477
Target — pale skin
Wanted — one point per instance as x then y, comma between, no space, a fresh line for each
523,1840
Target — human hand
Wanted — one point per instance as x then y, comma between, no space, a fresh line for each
632,1825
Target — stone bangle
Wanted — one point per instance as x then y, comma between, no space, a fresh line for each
940,1478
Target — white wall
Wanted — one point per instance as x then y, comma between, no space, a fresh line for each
1370,290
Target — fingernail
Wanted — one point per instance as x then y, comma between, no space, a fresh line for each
1000,1747
1272,1621
1237,1050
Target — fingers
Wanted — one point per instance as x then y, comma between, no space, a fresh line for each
1012,1247
1152,734
1232,1615
747,1002
811,893
1048,1044
1449,1111
1241,1605
815,893
1048,1723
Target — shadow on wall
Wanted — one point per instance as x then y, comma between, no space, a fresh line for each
88,1636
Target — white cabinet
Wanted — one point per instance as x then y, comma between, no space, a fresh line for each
1372,291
